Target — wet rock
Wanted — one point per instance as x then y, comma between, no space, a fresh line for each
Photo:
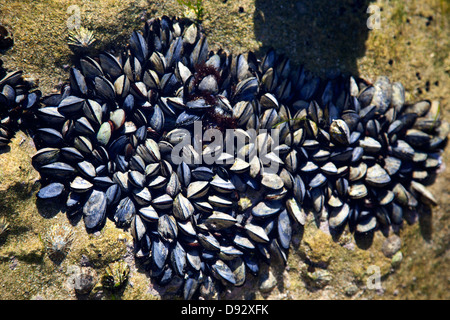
351,290
238,36
318,279
397,259
105,247
85,280
317,249
391,245
81,279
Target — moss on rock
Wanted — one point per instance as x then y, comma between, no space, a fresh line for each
411,47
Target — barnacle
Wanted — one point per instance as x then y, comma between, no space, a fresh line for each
81,40
58,241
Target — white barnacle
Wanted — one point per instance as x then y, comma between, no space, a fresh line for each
58,241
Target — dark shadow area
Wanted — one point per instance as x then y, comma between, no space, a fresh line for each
115,293
297,236
327,37
385,230
18,191
426,222
57,258
337,232
5,149
2,240
12,231
9,199
75,217
6,39
50,208
410,216
9,210
364,240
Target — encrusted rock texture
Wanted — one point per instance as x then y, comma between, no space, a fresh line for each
410,44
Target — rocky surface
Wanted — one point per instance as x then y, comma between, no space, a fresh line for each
412,46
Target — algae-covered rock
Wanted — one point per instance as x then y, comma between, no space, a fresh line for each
319,278
411,46
391,245
105,247
319,248
397,259
81,279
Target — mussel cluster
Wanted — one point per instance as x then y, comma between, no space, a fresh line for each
364,160
112,144
17,104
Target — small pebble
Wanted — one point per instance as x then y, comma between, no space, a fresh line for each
81,279
397,259
85,281
391,245
351,290
319,278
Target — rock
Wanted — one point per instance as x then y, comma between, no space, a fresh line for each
85,280
397,259
16,168
391,245
351,290
317,248
111,29
105,247
81,279
319,279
